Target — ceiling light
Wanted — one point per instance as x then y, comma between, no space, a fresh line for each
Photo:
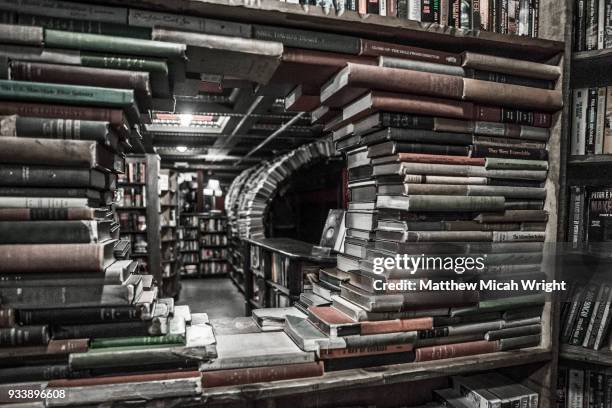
185,119
181,149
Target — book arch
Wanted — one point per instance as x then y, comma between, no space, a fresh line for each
252,193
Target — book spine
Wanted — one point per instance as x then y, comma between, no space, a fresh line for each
507,142
35,176
591,19
84,26
508,152
591,124
444,12
112,44
24,336
7,317
466,13
604,325
32,214
43,202
168,339
52,258
575,388
45,232
414,10
608,24
455,350
23,35
597,317
579,121
261,374
584,313
79,315
600,120
114,116
427,12
61,129
59,93
607,138
580,26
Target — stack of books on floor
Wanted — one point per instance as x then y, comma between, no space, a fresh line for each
440,170
262,184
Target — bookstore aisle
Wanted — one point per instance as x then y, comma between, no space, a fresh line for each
207,203
217,296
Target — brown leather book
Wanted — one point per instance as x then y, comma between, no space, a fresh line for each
523,97
28,214
251,375
52,258
303,98
331,354
435,158
299,66
394,102
377,48
510,66
79,75
396,325
121,379
445,351
7,317
356,79
67,153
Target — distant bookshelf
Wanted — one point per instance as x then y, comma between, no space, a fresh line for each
168,199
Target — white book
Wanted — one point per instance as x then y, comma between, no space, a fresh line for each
42,202
600,120
382,7
601,25
414,10
578,138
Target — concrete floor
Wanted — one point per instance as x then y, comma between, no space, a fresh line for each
216,296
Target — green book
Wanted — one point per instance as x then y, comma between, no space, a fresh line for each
111,44
123,62
70,94
498,163
120,357
501,304
169,339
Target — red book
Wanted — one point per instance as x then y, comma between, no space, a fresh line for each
40,110
261,374
365,351
456,350
377,48
397,325
332,321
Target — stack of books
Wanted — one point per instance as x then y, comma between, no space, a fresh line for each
262,184
450,172
72,303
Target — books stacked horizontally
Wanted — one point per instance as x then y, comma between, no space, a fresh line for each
442,168
270,356
591,121
263,182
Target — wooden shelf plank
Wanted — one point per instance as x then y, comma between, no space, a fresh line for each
391,374
575,353
427,35
600,159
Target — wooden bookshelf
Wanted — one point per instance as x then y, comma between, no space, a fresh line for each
213,238
392,29
149,210
168,197
347,380
583,355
